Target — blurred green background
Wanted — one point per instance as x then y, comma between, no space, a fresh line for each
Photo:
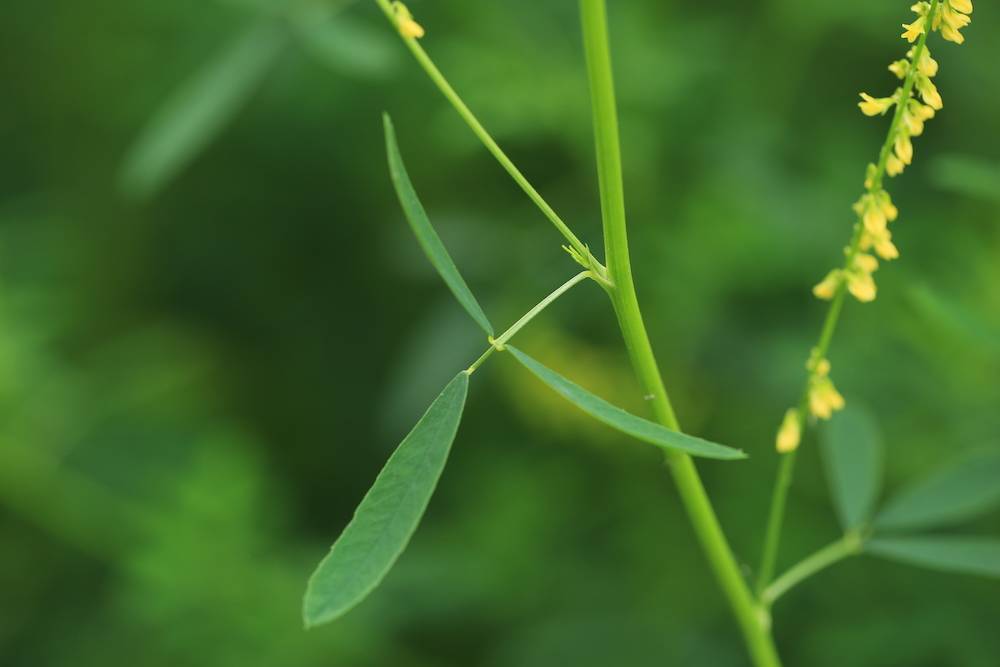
215,326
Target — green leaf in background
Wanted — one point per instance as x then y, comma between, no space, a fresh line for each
954,494
852,455
954,318
971,555
195,113
389,513
426,236
625,422
343,44
967,175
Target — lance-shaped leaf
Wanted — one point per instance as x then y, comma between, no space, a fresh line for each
426,236
971,555
852,454
625,422
389,513
198,110
961,492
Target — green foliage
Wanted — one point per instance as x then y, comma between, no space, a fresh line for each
199,109
627,423
390,512
426,236
969,555
852,452
957,493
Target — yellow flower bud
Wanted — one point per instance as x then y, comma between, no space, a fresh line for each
790,433
928,66
408,28
904,148
874,218
865,263
824,399
900,68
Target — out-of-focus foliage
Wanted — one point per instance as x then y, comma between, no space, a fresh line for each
198,388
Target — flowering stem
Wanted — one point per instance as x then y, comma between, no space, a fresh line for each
499,342
849,545
477,128
623,296
786,468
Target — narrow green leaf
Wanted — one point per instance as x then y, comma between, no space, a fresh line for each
625,422
954,494
426,236
389,513
852,454
195,113
971,555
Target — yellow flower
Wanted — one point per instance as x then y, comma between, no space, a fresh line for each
827,288
951,20
885,203
914,30
408,28
894,166
904,148
964,6
871,212
862,286
929,92
790,433
824,399
881,243
928,66
900,68
873,106
865,263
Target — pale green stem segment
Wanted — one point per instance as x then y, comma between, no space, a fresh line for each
786,469
499,342
692,492
477,128
849,545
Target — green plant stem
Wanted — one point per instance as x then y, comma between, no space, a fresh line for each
477,128
849,545
500,341
786,468
626,305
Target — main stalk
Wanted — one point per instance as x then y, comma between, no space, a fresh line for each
626,304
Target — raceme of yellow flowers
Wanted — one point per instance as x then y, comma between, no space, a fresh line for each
875,209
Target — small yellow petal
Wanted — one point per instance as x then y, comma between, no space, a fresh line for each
866,263
904,148
894,166
964,6
914,30
827,288
862,287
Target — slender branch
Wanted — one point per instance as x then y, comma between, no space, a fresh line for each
499,342
477,128
786,469
849,545
623,295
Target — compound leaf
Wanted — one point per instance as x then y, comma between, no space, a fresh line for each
971,555
625,422
389,513
955,494
852,454
426,236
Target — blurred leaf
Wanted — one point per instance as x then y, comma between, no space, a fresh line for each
954,494
426,236
389,513
343,44
967,175
972,555
954,317
852,454
195,113
625,422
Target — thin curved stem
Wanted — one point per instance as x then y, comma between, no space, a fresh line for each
786,469
500,341
477,128
849,545
692,492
